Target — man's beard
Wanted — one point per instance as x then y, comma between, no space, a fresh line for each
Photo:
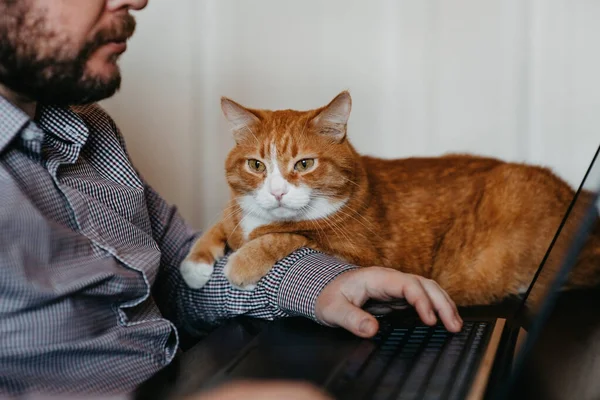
52,75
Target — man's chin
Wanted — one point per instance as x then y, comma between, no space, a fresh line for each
103,67
89,91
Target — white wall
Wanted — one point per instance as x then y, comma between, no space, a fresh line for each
509,78
154,108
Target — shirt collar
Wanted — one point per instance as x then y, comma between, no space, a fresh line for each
62,122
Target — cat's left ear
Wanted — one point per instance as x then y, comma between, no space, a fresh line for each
333,118
241,119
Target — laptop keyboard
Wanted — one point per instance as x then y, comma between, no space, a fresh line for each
417,362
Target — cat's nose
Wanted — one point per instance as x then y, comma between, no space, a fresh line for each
278,194
278,187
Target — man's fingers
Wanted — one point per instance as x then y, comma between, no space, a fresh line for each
415,294
390,284
451,302
448,298
443,305
423,294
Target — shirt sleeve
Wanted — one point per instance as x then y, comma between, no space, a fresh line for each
291,287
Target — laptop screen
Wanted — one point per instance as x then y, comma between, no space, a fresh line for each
561,264
584,202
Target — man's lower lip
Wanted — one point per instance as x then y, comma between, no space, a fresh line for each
117,47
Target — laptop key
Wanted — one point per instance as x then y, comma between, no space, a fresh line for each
403,361
423,368
472,353
446,366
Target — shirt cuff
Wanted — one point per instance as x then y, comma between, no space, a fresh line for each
308,272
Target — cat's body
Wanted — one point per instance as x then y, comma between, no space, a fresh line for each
478,226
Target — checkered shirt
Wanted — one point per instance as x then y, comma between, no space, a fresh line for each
91,298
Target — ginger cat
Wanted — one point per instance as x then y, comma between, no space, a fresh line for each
478,226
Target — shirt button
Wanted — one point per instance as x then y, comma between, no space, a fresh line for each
30,134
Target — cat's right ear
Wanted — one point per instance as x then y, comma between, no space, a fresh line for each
241,119
332,120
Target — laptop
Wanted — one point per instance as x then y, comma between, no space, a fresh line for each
406,359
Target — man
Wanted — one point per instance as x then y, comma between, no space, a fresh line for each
91,299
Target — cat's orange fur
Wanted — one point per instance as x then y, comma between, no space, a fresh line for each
478,226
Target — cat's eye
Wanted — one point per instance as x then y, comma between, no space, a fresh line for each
304,165
256,165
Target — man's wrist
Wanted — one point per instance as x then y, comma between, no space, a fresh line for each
307,275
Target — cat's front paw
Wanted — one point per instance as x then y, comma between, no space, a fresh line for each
239,273
196,274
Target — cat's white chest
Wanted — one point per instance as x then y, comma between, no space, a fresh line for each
250,223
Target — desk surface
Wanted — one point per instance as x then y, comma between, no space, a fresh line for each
565,362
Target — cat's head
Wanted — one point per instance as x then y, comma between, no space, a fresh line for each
291,165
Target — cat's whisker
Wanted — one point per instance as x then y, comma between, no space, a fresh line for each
331,226
340,230
354,212
352,216
232,214
336,228
317,227
221,216
236,210
343,233
218,216
350,181
359,214
361,223
241,220
231,204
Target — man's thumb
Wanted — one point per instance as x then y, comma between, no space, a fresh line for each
356,320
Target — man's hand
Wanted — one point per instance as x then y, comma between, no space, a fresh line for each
339,303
